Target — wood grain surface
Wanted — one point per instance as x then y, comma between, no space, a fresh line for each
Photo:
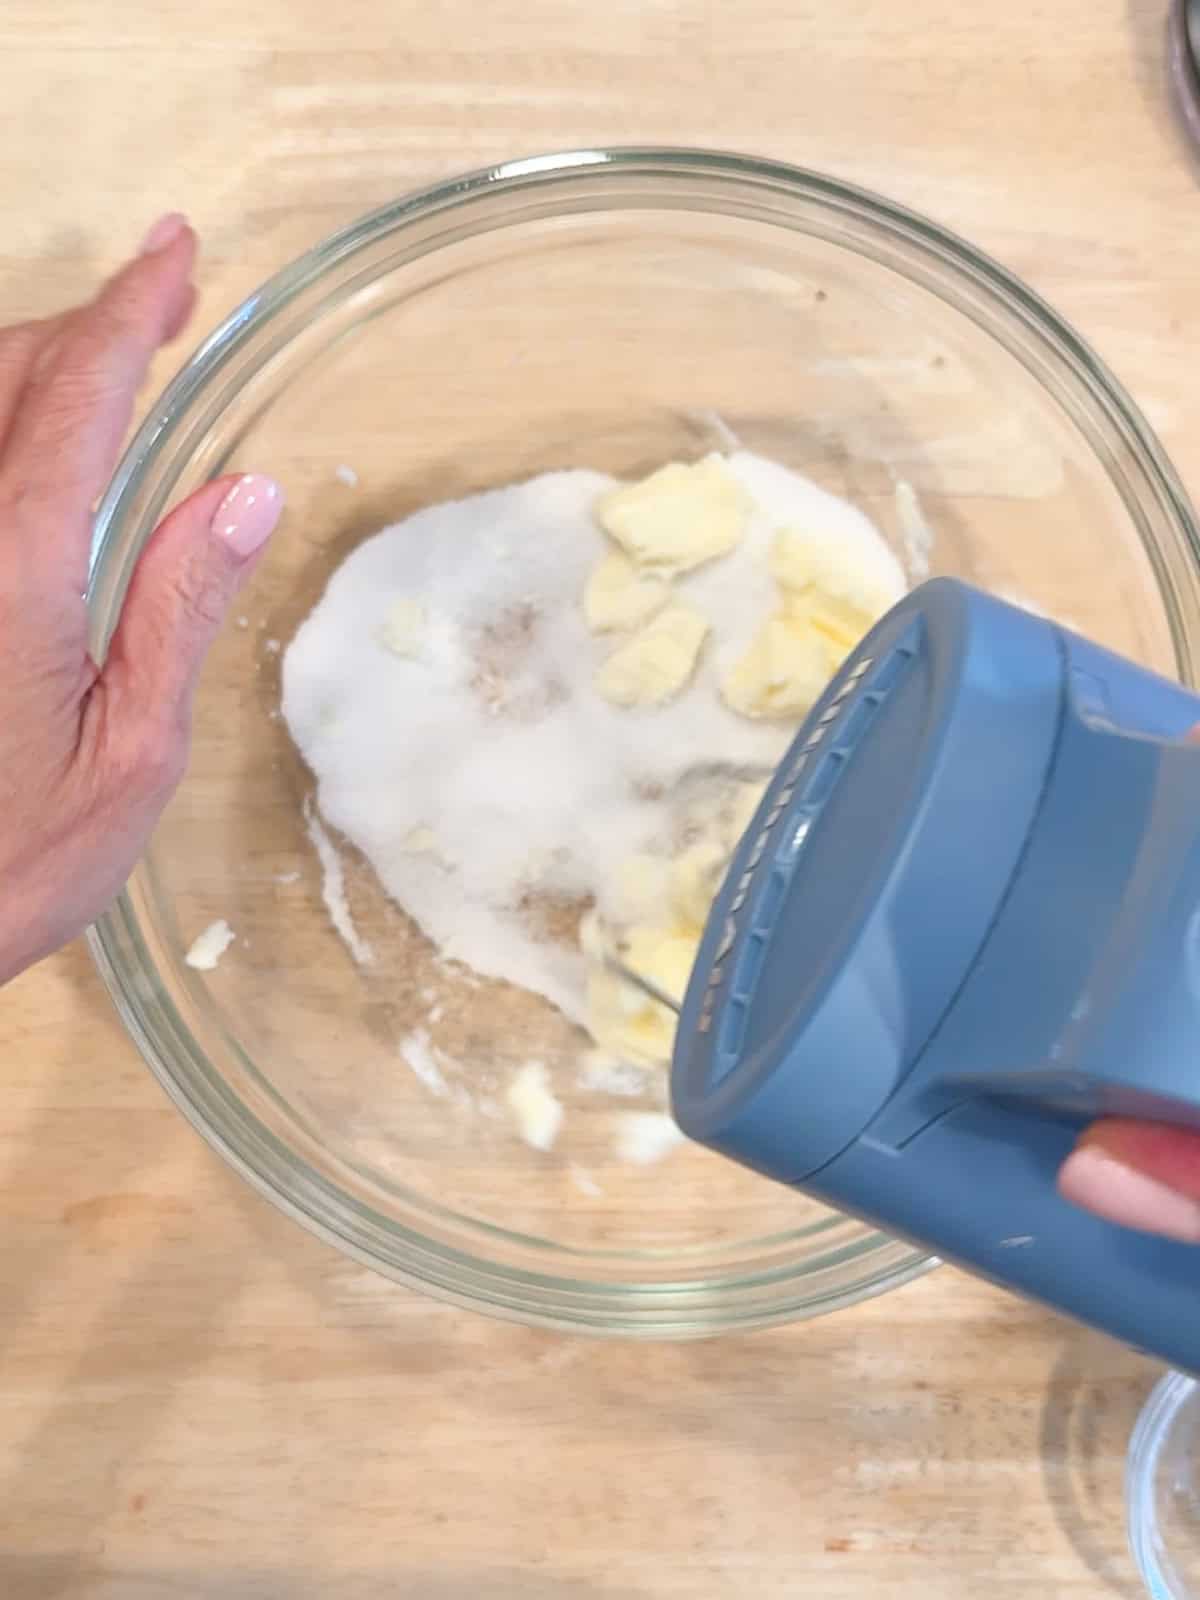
197,1399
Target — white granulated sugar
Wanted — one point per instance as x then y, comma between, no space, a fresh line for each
206,951
346,475
495,742
333,889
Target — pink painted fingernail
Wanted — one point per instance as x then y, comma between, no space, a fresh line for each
164,233
1092,1179
246,517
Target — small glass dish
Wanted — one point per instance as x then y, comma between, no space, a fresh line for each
613,310
1162,1489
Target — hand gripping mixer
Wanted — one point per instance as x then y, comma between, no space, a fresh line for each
966,920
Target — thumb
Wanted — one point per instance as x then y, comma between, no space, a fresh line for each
182,587
1144,1175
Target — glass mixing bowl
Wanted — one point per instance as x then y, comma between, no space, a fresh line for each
1162,1490
612,310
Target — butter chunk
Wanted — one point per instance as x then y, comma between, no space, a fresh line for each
207,950
665,955
644,1137
679,517
421,842
695,876
535,1110
782,673
657,662
404,628
627,1024
865,589
640,887
619,597
839,626
624,1021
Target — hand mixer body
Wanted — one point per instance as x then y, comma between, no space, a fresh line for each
965,920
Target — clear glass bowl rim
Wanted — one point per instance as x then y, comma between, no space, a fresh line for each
1142,1465
974,285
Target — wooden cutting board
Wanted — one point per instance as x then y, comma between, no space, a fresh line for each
198,1400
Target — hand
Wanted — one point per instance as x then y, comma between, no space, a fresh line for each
1141,1174
89,757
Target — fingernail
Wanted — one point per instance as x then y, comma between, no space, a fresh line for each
1094,1180
247,516
164,233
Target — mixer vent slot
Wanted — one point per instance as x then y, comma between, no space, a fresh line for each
806,790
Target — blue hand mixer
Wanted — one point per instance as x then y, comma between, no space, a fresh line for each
965,921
